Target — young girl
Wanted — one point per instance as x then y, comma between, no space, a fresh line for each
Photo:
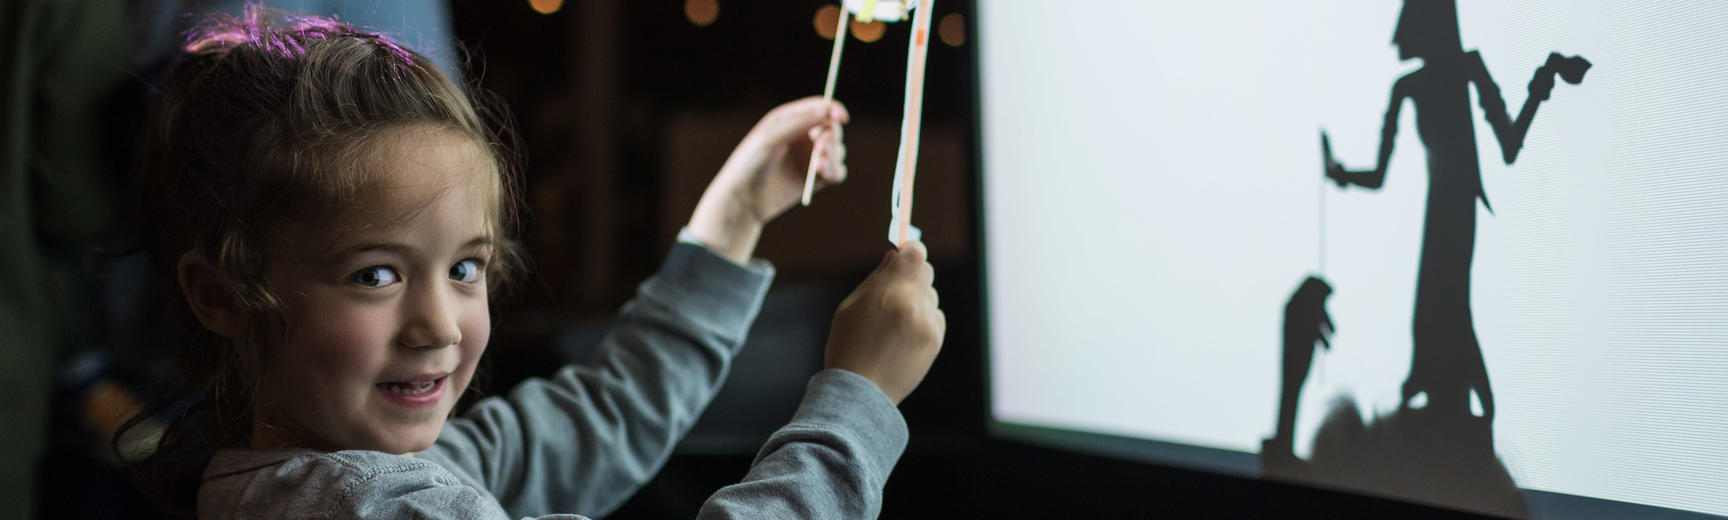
334,212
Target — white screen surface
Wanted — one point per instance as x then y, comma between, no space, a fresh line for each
1154,193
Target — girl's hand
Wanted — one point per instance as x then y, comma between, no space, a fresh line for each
891,328
765,174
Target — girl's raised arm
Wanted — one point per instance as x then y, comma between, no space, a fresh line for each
586,439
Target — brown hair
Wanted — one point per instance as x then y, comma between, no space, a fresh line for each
268,117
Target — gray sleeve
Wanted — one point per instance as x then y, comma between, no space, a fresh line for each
586,439
831,461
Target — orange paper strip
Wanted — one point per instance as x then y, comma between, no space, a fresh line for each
915,61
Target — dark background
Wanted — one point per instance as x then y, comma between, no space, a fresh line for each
625,110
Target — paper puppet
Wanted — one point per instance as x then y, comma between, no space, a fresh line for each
884,10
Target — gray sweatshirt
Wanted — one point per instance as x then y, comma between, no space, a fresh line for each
586,439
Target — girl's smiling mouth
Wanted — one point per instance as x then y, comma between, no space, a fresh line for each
417,392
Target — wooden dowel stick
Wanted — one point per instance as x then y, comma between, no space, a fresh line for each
827,100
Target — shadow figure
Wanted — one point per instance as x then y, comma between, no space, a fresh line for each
1306,326
1432,448
1424,454
1446,364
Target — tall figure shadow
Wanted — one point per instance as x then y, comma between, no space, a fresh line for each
1434,447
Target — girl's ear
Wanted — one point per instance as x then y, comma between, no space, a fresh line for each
210,301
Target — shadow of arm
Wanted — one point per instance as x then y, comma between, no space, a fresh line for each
1511,132
1376,177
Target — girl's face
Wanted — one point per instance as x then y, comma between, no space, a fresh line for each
384,304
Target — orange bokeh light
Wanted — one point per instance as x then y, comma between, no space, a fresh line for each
545,6
868,32
827,21
702,12
952,30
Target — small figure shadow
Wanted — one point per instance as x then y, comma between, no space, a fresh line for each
1418,453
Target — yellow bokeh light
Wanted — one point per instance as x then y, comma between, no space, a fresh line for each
952,30
827,21
702,13
868,32
545,6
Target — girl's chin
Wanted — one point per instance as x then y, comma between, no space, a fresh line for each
407,439
410,443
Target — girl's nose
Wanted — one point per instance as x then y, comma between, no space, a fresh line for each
431,320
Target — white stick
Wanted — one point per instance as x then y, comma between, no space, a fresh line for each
827,99
906,171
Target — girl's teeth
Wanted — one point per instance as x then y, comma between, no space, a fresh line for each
410,388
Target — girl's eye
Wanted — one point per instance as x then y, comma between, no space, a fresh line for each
375,276
465,271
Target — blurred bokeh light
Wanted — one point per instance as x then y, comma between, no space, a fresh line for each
702,12
827,21
952,30
868,32
545,6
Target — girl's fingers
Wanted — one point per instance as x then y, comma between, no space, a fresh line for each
830,154
838,112
832,174
830,133
835,171
819,149
798,117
